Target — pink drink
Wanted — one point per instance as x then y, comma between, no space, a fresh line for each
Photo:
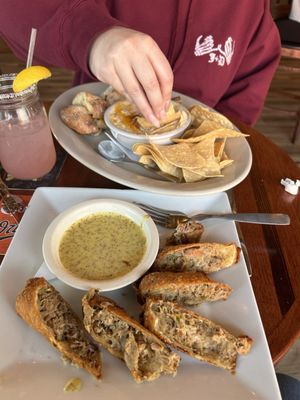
27,150
26,146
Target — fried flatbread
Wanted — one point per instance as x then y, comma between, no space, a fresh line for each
203,257
197,336
144,354
44,309
187,288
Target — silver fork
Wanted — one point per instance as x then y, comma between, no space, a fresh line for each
10,204
171,218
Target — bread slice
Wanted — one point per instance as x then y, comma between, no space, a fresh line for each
43,308
189,288
145,355
195,335
203,257
111,96
95,105
78,118
186,232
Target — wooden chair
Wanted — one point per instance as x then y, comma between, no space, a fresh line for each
280,10
8,62
292,53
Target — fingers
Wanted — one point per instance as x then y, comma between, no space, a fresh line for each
135,66
149,87
116,83
148,80
135,91
164,74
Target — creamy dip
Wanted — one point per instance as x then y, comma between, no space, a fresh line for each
124,115
102,246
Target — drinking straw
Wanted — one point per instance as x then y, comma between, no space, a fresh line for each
31,47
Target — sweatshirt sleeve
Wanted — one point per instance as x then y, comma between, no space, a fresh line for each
246,94
66,29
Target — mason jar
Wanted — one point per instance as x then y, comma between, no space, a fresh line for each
26,145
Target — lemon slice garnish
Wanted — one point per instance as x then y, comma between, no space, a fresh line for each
29,76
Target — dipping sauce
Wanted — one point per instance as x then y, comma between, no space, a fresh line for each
125,116
102,246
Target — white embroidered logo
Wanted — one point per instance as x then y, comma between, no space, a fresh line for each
216,54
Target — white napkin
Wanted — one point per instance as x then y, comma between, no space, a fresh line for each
44,272
295,11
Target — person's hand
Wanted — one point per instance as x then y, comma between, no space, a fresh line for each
135,66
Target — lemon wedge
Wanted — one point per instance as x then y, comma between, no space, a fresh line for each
29,76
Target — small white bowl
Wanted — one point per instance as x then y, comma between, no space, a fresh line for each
64,220
128,139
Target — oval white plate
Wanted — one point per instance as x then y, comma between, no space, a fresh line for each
84,150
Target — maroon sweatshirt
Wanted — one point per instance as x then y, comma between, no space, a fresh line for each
222,52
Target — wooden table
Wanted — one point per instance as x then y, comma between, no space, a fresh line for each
274,252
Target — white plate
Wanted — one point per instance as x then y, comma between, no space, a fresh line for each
84,149
30,368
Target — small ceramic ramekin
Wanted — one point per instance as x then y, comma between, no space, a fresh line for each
63,221
128,139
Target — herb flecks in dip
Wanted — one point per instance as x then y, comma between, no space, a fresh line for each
102,246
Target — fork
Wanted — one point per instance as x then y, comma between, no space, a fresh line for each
171,218
10,204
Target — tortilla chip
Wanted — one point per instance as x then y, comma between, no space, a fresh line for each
140,149
191,177
219,148
198,175
206,126
147,160
211,168
181,155
166,127
224,156
206,148
225,163
200,113
199,154
171,121
187,134
218,134
162,164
